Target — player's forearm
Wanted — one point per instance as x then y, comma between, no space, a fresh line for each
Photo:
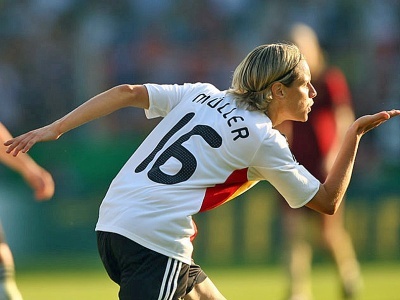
97,107
331,193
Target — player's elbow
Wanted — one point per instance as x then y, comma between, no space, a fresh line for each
332,207
326,209
323,204
331,210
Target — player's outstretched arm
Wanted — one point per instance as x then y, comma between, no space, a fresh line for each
331,192
96,107
35,176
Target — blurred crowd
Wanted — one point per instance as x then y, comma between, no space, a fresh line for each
56,54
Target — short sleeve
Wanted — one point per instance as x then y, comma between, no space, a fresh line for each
275,163
163,98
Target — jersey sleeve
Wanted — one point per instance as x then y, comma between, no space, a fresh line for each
164,97
275,163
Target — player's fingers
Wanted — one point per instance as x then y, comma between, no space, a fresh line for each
15,148
12,145
20,144
386,115
7,143
393,112
379,118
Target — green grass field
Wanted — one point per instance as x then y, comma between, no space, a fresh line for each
381,282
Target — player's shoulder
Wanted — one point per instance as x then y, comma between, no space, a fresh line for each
201,86
181,90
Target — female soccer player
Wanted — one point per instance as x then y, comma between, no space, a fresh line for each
210,146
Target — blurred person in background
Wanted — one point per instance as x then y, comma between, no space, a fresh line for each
209,147
42,185
315,145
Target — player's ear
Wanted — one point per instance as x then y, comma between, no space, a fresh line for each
277,90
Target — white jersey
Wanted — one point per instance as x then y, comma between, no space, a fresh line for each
204,152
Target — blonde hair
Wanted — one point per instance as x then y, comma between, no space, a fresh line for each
266,64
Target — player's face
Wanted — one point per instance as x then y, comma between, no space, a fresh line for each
300,94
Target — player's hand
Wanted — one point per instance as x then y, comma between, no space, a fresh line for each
25,141
369,122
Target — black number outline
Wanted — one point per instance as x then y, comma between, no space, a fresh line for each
179,152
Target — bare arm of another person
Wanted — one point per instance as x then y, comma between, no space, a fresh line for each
37,178
331,192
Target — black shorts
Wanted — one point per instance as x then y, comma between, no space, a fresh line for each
143,274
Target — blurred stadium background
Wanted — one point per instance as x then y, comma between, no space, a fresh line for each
56,54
